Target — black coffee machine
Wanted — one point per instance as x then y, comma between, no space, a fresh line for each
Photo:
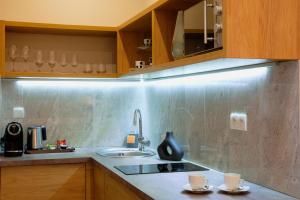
13,140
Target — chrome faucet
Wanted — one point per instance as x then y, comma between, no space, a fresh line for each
141,139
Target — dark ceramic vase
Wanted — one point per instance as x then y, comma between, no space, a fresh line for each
169,149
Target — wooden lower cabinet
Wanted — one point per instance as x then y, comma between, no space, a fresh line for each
43,182
99,183
82,181
108,187
116,190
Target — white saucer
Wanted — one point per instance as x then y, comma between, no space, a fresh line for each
241,189
207,188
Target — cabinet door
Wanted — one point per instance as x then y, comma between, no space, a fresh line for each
116,190
43,182
98,183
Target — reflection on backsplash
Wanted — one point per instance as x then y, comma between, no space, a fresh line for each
199,116
87,114
196,109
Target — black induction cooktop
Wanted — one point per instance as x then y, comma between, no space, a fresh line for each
160,168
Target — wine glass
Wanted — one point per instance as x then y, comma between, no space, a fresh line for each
39,59
63,60
25,53
13,55
88,68
74,61
52,60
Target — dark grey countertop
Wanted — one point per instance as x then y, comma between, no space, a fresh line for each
163,186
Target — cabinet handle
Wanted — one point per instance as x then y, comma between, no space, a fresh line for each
206,38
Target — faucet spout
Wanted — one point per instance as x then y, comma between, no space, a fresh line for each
137,120
138,117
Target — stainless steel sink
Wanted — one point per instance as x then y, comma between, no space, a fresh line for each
124,152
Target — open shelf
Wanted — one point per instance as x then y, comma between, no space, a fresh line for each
79,51
176,63
130,40
188,66
160,19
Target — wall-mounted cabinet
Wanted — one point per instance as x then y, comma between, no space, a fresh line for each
41,50
134,45
252,30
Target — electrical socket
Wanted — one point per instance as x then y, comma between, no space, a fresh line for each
18,113
238,121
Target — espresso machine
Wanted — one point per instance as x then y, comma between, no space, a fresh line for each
13,139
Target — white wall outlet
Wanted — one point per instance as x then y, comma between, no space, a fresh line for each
238,121
18,113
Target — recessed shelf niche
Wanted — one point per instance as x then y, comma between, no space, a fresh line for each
78,54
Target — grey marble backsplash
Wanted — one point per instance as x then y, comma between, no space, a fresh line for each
267,154
196,109
86,116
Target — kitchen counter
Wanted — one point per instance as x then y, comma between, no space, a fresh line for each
163,186
79,156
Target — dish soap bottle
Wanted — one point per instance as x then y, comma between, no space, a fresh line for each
132,139
169,149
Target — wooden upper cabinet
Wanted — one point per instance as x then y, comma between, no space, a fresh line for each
2,46
47,182
251,29
58,50
162,34
265,29
131,43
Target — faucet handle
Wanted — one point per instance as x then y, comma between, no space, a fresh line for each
141,139
143,143
146,142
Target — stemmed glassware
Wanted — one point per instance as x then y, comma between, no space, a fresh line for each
63,60
25,53
52,60
13,55
39,59
74,61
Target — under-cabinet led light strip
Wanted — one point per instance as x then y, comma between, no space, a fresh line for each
235,75
239,75
77,83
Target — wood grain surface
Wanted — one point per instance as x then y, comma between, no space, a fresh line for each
48,182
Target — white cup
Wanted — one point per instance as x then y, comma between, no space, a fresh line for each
197,181
147,42
140,64
232,181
